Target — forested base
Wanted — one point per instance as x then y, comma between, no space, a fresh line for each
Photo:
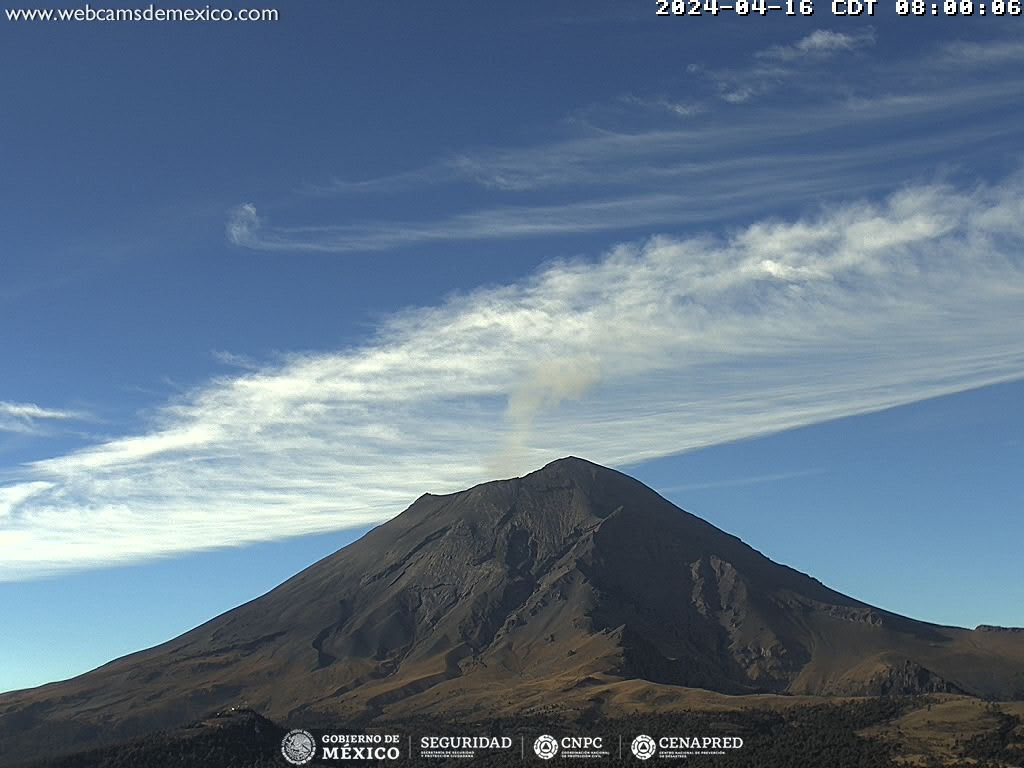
800,737
236,739
1002,746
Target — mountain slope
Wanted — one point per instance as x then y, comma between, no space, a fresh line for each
572,575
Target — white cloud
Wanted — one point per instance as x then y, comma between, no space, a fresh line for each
980,54
246,228
801,65
243,225
740,94
25,417
656,347
820,43
12,496
662,104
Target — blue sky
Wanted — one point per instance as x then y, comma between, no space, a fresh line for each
263,285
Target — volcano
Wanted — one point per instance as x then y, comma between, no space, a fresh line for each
516,594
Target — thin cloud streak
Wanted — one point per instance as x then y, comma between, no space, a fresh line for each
247,228
26,418
656,347
741,482
819,43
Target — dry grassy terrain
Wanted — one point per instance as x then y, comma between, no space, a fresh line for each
950,731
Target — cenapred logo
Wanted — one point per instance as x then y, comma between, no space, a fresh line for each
298,746
545,747
643,747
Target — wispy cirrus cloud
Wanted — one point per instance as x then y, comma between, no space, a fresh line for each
682,109
776,66
719,187
657,346
819,43
512,171
28,418
676,160
745,480
247,228
975,54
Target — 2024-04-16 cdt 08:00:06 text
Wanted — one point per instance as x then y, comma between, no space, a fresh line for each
681,8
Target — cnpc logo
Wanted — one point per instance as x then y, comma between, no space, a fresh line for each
546,746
